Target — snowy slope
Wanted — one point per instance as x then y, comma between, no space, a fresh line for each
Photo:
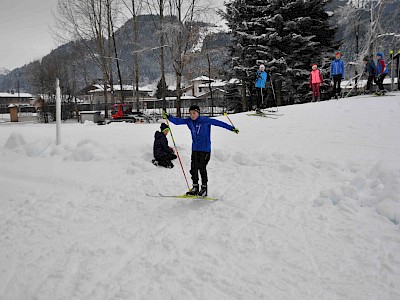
309,209
4,71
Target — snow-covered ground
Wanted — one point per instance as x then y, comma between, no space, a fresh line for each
309,209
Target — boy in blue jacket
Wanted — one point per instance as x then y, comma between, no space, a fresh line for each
381,71
200,128
337,73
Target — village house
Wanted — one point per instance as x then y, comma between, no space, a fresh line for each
201,91
21,100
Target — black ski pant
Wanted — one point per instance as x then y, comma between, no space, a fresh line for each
165,160
379,81
261,100
371,79
198,164
337,79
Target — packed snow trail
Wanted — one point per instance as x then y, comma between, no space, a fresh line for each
309,208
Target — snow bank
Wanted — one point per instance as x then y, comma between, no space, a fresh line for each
379,188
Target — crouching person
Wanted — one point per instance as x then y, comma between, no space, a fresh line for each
163,154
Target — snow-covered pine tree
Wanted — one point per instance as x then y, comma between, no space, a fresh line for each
285,35
232,98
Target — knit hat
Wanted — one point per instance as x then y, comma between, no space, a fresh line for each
338,53
164,127
314,65
195,108
379,54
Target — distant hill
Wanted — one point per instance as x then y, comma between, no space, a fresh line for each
86,72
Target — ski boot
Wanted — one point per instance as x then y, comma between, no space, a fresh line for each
194,191
203,191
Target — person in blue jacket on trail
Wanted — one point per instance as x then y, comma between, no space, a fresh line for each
260,86
337,73
381,71
200,128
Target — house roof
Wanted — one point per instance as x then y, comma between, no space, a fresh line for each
116,87
202,78
182,98
208,92
215,84
15,95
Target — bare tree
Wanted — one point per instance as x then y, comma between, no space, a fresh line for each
85,21
157,7
135,8
181,35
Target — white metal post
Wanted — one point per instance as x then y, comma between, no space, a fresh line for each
58,112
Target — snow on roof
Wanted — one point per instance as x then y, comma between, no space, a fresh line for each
116,87
208,92
234,80
202,78
218,83
182,98
15,95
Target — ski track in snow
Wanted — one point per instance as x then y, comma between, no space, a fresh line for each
309,209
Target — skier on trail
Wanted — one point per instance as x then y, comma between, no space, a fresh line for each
337,73
381,71
260,86
370,70
163,154
200,128
316,81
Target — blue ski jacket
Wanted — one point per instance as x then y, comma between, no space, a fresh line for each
337,67
200,130
261,79
381,67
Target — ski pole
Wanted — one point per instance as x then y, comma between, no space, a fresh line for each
273,92
225,114
177,153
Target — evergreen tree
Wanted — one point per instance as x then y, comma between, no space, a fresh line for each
160,88
286,36
232,98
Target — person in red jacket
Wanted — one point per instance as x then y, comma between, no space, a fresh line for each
315,82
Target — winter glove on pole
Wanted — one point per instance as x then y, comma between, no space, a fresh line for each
165,115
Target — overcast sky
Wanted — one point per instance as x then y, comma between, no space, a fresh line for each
25,30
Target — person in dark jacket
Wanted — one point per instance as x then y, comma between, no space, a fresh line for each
163,154
370,70
200,128
337,73
381,71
